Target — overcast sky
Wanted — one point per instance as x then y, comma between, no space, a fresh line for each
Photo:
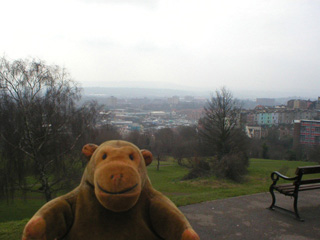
247,45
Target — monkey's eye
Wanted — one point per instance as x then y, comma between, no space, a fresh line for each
104,156
131,157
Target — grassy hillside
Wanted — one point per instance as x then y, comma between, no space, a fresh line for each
14,215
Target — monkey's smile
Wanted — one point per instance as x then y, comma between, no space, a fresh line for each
115,193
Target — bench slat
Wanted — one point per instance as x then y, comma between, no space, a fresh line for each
285,186
310,181
289,188
309,187
291,192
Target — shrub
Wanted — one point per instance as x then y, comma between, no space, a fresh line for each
200,168
232,166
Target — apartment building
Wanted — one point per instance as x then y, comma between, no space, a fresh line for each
266,101
275,117
306,132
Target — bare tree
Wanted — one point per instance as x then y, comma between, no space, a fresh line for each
40,124
218,123
219,132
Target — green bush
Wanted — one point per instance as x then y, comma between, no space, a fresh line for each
201,168
232,166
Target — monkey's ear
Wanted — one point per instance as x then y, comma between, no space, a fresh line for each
147,155
89,149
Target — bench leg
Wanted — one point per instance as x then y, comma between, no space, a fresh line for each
295,206
273,198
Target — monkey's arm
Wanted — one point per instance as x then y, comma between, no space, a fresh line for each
52,221
168,221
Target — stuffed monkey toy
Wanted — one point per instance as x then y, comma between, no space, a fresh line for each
114,201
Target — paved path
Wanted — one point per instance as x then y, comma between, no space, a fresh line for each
247,217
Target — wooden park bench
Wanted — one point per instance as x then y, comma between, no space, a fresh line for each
297,184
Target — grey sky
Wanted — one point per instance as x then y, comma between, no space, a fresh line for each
248,45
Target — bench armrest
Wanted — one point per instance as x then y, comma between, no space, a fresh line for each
275,176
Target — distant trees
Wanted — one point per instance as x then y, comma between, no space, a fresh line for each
221,137
40,125
314,153
163,144
104,133
180,142
186,143
273,146
143,140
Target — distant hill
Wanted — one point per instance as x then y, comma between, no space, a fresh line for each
139,92
127,92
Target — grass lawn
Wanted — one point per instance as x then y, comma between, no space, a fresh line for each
167,180
12,229
199,190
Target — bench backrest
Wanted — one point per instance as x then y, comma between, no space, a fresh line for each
307,170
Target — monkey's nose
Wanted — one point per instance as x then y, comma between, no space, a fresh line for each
116,178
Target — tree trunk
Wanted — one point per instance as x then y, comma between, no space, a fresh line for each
45,188
47,193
